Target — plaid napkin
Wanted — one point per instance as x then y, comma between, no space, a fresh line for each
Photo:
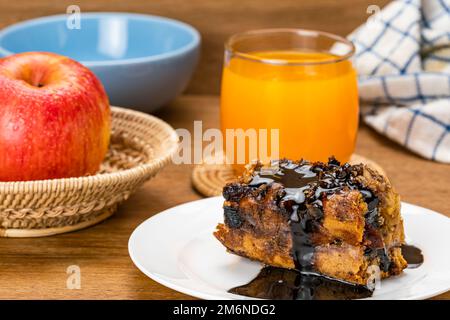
403,60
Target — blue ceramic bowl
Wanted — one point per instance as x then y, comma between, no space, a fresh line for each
143,61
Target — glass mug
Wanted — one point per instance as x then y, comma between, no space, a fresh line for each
298,81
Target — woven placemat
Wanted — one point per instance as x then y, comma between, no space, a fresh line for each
209,179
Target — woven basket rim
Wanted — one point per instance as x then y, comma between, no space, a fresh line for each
158,161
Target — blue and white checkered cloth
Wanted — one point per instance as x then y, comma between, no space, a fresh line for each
403,60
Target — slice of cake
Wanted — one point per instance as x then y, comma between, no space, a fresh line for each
324,218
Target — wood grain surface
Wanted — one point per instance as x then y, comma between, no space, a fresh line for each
215,19
36,268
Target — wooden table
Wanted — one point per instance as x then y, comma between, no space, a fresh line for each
36,268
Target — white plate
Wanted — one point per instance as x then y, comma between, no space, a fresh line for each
177,249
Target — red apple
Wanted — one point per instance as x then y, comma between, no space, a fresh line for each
54,118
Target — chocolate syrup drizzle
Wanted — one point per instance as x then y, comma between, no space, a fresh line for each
283,284
306,186
412,255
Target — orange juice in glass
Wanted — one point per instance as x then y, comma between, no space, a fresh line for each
297,81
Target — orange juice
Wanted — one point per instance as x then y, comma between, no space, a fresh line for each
310,97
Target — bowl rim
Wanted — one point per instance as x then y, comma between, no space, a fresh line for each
193,44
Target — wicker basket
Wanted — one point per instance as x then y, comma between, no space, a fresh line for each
140,146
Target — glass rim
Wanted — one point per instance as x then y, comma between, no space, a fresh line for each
299,31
